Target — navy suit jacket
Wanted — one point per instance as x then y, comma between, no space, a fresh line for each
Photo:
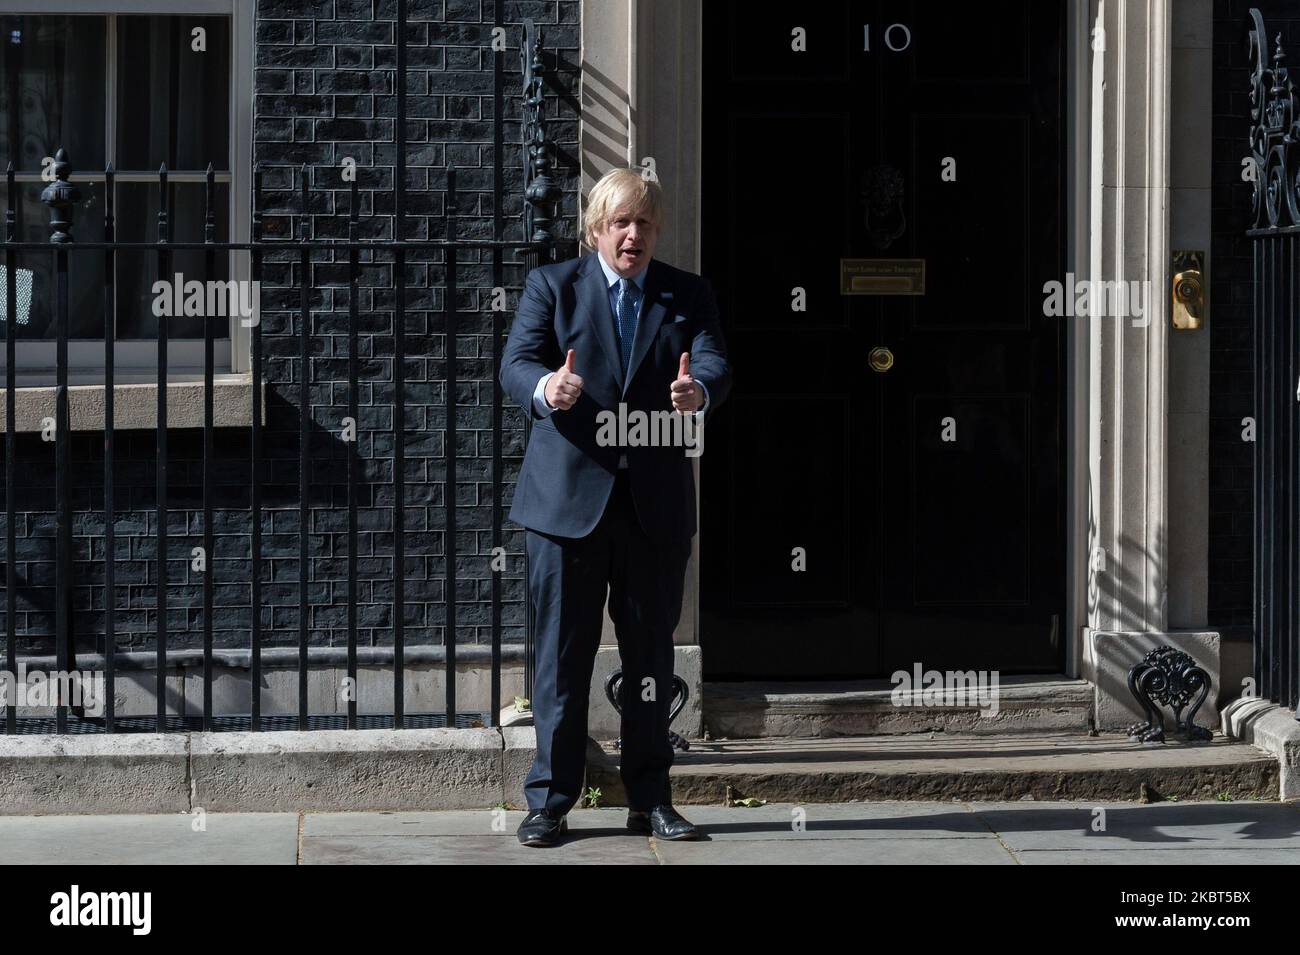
567,476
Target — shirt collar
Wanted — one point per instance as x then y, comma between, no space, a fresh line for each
612,277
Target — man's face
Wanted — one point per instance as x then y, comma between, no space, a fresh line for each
628,241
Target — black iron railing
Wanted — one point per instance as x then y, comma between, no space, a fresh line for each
1275,241
536,247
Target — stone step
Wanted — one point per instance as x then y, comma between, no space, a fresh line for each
941,767
1025,704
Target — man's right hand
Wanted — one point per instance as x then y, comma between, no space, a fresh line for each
564,387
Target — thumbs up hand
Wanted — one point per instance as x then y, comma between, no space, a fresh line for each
565,386
686,394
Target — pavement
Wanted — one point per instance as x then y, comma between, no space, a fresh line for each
963,833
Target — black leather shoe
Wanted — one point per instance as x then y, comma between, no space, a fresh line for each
664,821
542,827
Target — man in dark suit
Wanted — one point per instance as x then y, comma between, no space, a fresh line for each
616,328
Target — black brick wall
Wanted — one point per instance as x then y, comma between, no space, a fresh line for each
1231,564
323,91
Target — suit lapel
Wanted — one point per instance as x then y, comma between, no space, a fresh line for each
593,298
652,316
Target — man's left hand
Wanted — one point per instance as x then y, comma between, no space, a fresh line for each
686,393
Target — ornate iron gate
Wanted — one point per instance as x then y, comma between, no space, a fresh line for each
1275,241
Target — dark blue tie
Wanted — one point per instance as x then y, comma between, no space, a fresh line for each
627,310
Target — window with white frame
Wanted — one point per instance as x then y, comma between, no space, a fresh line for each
145,85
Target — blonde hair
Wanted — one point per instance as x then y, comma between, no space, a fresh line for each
617,188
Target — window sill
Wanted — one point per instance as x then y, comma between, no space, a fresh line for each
135,402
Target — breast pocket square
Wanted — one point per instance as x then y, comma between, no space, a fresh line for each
678,318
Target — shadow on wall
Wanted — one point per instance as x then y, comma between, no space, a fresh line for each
604,146
1116,594
1116,582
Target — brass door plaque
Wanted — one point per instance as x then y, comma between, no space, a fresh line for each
882,276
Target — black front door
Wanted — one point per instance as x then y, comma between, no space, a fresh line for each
885,485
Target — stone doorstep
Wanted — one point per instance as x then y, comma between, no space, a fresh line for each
935,766
780,710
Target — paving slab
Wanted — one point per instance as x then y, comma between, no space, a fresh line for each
471,837
835,821
1021,832
837,834
171,839
840,852
1213,857
891,833
1162,826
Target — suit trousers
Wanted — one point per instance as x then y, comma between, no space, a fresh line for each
567,580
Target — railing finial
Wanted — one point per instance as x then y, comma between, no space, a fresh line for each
540,190
61,196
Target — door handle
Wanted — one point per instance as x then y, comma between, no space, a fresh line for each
881,359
